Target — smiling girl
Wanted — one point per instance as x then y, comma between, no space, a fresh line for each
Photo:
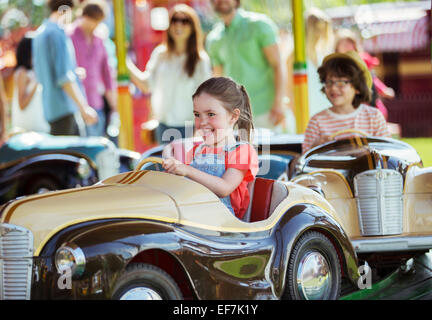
347,84
221,163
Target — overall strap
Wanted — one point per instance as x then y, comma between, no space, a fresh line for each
229,148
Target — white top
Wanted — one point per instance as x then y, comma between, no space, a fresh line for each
32,117
171,88
365,118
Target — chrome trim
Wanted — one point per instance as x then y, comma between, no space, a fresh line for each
79,256
379,201
392,244
314,277
16,261
141,293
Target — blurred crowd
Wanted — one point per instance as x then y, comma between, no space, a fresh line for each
65,76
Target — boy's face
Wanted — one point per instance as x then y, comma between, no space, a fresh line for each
339,91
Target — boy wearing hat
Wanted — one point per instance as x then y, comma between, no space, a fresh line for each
347,84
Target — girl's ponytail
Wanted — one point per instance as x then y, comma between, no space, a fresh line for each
244,123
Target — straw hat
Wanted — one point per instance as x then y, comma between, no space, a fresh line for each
354,56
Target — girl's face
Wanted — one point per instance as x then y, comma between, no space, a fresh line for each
339,91
212,121
180,27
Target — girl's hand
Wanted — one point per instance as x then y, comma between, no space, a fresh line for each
174,166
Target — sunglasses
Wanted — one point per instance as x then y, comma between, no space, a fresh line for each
183,21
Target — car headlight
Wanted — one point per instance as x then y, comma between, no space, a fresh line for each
70,257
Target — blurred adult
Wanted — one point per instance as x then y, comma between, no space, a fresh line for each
55,68
27,108
174,71
91,54
319,43
347,40
244,46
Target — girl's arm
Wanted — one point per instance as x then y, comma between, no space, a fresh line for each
24,95
222,187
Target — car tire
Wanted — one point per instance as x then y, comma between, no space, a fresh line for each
146,282
313,271
42,185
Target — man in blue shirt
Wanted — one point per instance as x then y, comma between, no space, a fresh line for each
55,67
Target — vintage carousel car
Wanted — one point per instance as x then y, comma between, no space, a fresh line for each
33,162
146,234
380,191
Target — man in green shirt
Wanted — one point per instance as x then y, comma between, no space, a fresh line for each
244,47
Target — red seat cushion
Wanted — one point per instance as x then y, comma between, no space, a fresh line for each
261,199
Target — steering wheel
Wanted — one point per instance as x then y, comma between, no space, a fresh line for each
338,133
150,161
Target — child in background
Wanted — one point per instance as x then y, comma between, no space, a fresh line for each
221,163
347,84
346,40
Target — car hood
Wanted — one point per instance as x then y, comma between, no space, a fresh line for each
33,143
354,155
149,195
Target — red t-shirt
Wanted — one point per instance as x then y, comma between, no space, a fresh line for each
243,158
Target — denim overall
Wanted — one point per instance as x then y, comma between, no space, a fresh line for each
214,164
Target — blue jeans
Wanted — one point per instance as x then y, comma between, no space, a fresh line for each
97,129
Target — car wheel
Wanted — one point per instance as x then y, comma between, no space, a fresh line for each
42,185
313,271
146,282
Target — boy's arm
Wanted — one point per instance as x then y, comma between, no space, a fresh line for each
88,113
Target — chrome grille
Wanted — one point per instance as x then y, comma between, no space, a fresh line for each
379,201
16,257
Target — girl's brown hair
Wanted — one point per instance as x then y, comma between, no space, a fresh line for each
194,43
232,96
345,67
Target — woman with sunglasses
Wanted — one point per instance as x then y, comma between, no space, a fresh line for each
175,70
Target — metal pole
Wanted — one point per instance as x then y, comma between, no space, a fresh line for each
126,135
300,68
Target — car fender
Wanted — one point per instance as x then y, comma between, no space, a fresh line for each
110,245
299,219
331,183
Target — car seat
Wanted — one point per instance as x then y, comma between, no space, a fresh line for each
265,196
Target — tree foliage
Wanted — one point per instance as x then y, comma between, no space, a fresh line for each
280,10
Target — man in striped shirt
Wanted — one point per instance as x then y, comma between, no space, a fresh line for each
347,84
